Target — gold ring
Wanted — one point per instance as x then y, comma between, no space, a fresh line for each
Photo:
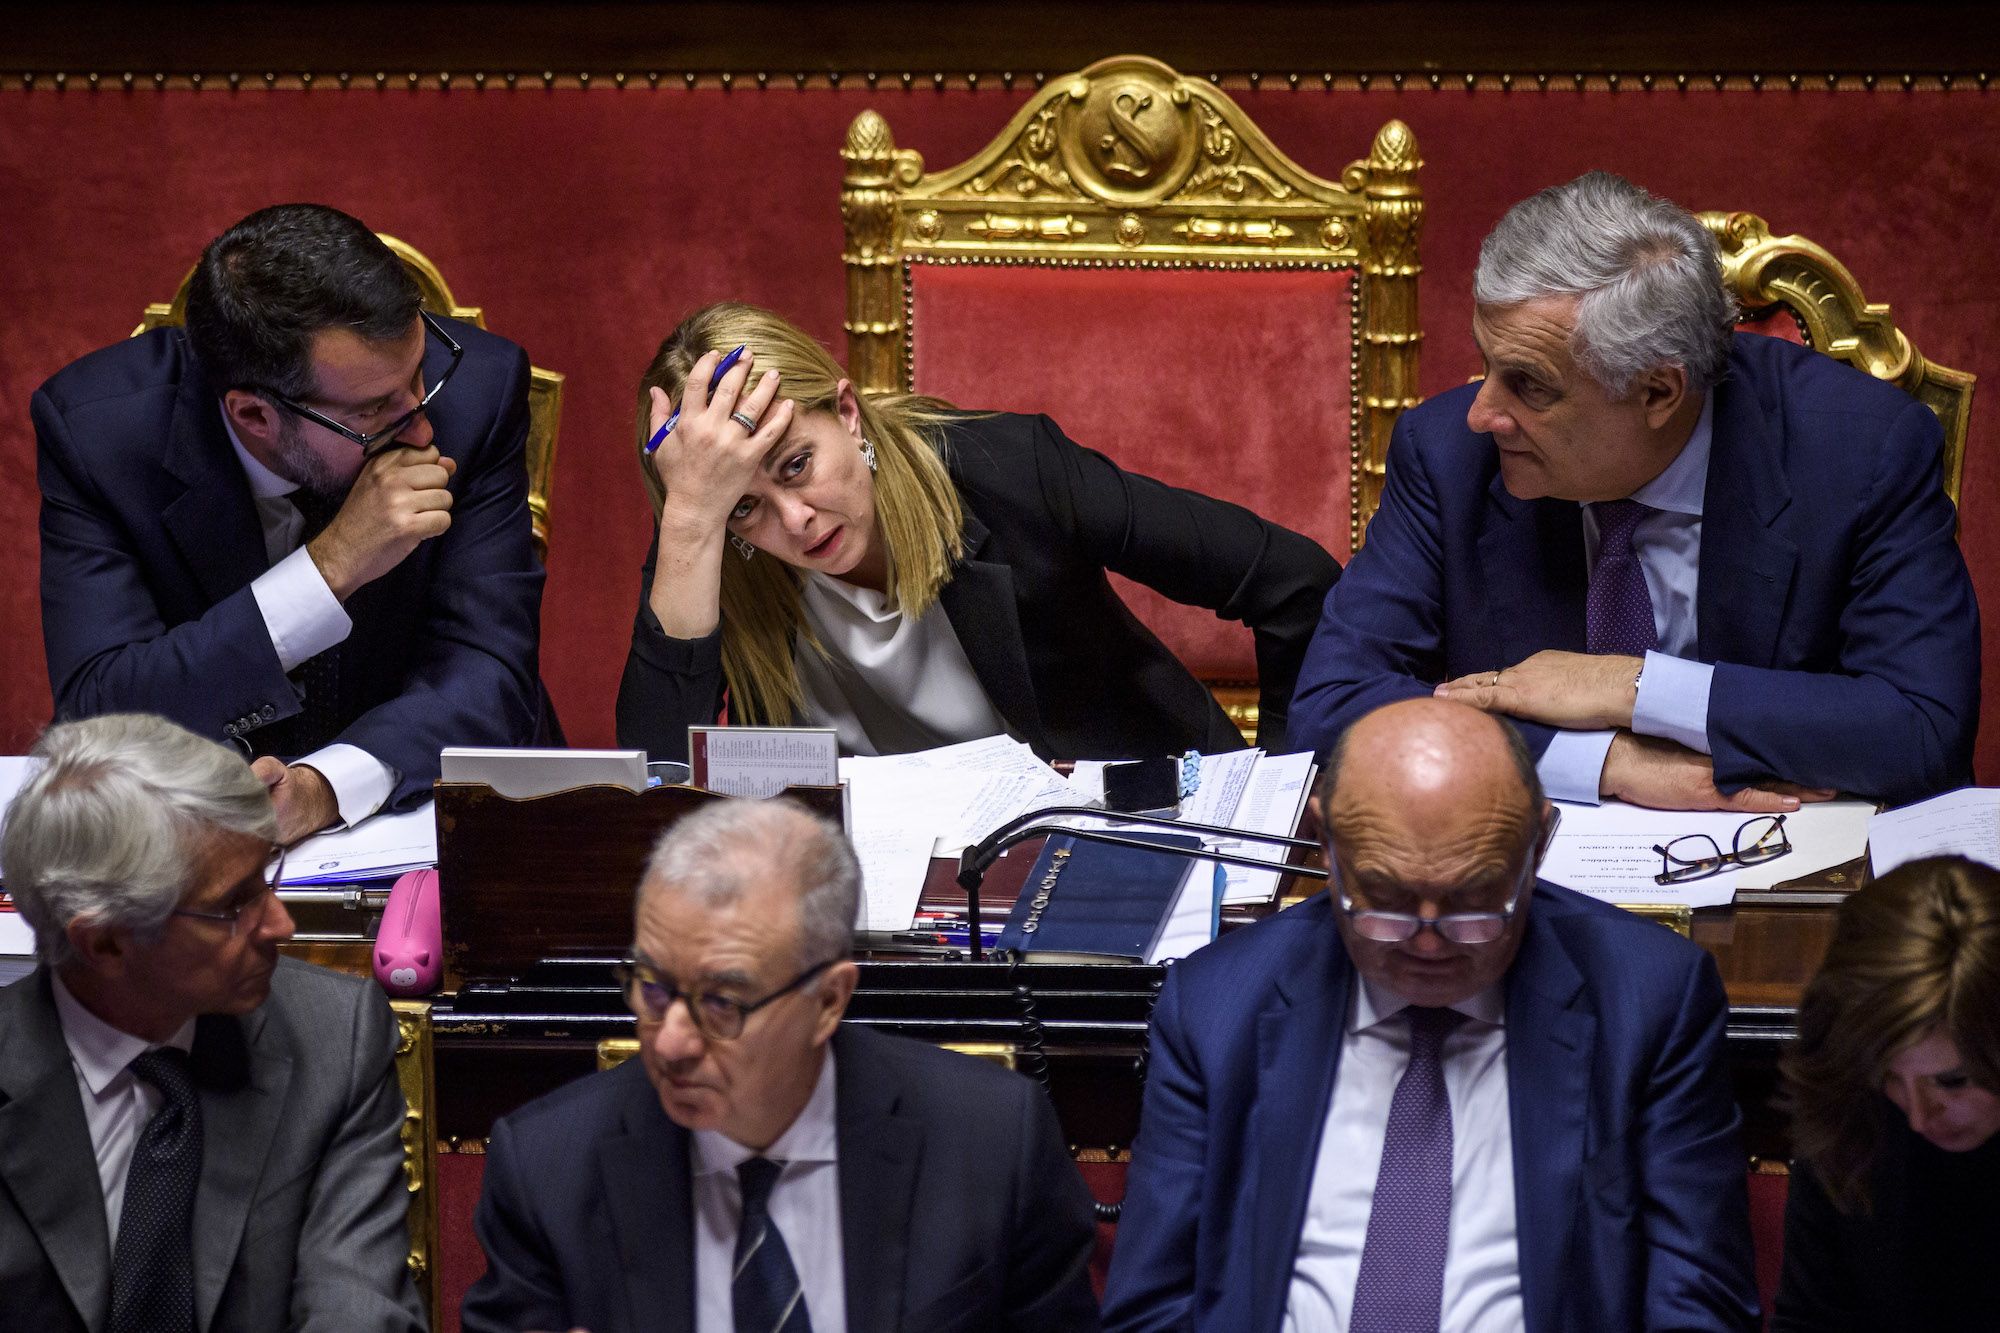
1496,681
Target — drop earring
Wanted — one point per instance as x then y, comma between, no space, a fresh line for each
743,548
868,454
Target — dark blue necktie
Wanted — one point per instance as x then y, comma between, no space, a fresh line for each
320,717
765,1291
1618,610
152,1266
1400,1288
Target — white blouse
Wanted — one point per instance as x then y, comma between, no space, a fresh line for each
888,683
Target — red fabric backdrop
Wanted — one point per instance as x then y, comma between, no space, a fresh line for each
587,221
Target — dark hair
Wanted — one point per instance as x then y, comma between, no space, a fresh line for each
268,284
1917,950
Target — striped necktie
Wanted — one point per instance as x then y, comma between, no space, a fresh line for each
765,1292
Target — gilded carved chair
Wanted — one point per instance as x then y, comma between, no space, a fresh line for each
1134,257
416,1073
545,387
1791,288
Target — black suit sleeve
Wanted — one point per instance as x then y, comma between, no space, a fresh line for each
1052,1231
669,684
521,1288
1197,550
1816,1288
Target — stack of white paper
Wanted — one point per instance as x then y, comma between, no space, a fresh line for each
379,847
1965,822
17,944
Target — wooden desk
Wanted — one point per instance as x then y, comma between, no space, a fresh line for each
531,945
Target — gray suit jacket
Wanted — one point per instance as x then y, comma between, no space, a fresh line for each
299,1218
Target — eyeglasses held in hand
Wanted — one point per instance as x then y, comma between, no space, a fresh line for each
1697,856
717,1017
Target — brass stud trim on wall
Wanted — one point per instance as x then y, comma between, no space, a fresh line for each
1007,80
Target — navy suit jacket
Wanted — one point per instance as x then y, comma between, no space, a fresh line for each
150,541
1833,597
1628,1174
960,1209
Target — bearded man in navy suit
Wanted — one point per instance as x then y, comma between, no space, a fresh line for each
1700,569
299,524
1442,1095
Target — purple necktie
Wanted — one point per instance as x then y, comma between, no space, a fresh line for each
1401,1285
1618,611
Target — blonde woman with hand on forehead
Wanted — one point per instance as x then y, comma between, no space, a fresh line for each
914,575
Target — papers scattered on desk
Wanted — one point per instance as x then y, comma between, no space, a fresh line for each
17,944
379,847
1606,851
1965,822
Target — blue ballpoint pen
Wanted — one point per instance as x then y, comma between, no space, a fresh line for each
714,381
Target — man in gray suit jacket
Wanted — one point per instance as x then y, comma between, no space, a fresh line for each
195,1134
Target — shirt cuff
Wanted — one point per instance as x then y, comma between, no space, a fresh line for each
1673,700
360,781
1572,768
300,612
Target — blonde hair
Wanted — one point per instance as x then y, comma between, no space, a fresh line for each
1915,951
918,514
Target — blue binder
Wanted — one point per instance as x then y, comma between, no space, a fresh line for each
1092,900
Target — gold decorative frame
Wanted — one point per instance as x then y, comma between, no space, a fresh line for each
1765,270
1128,164
545,387
415,1071
1677,917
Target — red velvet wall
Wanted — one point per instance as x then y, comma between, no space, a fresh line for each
586,221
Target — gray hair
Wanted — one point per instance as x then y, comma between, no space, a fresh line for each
108,828
719,850
1647,270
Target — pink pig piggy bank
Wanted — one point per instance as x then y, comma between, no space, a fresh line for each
409,947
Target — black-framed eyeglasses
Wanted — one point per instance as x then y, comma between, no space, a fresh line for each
718,1017
376,441
1697,856
1457,927
252,906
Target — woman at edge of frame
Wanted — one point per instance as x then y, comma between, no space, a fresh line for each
1893,1219
915,575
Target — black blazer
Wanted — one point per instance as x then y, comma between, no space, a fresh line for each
1064,661
959,1207
1920,1261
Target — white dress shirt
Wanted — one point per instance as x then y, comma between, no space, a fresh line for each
1482,1279
1673,687
116,1102
804,1206
304,619
888,683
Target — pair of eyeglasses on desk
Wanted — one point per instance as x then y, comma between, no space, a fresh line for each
1698,856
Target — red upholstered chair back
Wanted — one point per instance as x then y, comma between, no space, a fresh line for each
1770,1184
1133,257
1791,288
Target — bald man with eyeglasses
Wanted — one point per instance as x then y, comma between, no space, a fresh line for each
761,1167
1442,1095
